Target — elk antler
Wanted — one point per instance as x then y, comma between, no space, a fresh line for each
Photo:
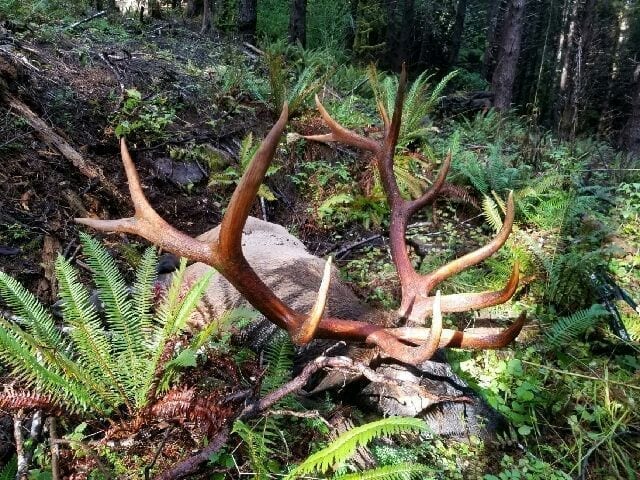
224,253
416,302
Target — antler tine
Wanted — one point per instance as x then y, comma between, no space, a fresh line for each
462,302
394,348
471,338
473,258
427,197
305,333
147,223
341,134
230,244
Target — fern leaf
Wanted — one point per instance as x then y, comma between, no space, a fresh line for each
491,213
173,315
88,335
118,308
143,293
34,367
568,328
257,447
401,471
346,444
10,470
25,305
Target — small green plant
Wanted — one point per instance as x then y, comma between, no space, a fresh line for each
143,119
527,468
232,174
419,102
567,329
346,444
95,368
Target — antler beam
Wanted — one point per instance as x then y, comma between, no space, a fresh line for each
224,253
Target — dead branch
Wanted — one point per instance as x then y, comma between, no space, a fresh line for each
49,136
54,448
342,363
85,20
191,464
23,462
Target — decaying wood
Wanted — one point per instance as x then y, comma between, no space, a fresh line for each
49,136
191,464
85,20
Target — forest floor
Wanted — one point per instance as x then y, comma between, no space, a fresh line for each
73,83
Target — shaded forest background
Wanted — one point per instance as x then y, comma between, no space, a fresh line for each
572,65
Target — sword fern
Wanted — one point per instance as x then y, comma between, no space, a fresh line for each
96,364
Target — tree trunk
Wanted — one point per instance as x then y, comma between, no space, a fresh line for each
632,129
247,17
456,34
350,35
488,61
298,22
154,9
505,72
403,53
572,78
207,17
194,8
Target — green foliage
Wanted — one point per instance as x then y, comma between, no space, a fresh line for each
401,471
297,80
418,105
8,472
143,119
345,445
527,468
259,442
232,174
279,358
566,329
100,365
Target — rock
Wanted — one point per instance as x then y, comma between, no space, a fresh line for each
179,173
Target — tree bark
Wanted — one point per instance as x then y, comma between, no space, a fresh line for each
208,18
194,8
488,61
154,9
456,34
505,72
572,78
406,34
632,129
350,35
298,22
247,18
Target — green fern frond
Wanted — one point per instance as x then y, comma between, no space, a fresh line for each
118,308
347,443
247,150
490,210
25,305
279,357
143,293
87,333
9,471
568,328
258,445
44,369
173,315
401,471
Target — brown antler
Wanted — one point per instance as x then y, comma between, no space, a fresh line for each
224,253
416,302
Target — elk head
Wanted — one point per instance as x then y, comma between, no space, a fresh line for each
411,345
